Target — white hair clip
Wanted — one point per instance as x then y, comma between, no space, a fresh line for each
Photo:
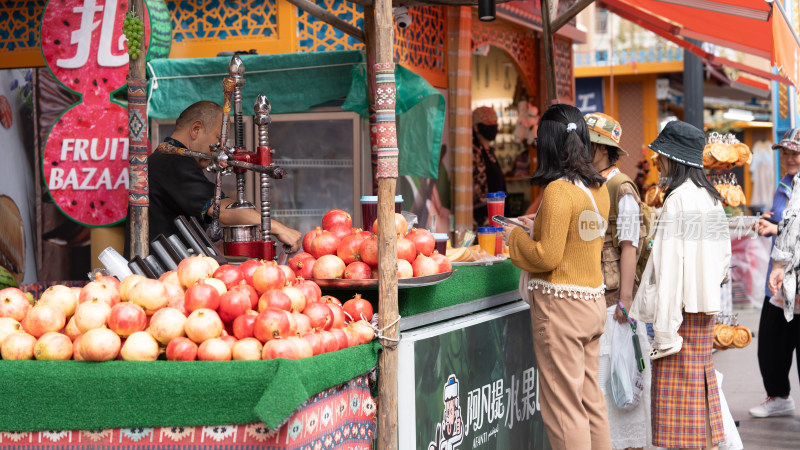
571,127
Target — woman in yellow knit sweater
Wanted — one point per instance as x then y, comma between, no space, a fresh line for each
565,287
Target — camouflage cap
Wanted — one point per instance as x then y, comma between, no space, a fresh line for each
604,129
790,141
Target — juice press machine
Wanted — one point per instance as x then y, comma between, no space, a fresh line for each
242,240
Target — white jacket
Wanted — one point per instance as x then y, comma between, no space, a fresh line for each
689,260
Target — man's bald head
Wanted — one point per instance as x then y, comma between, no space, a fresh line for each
204,111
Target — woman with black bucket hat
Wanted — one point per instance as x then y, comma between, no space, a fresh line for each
680,295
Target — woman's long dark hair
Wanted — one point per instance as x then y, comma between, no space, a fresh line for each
562,153
678,173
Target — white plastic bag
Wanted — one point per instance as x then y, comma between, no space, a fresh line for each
625,382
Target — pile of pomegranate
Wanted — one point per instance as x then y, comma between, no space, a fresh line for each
337,250
201,311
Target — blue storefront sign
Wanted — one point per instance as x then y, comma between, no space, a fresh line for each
589,94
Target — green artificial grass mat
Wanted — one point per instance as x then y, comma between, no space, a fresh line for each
79,395
468,283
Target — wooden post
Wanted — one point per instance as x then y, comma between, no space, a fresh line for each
329,18
370,37
549,55
573,11
138,198
387,236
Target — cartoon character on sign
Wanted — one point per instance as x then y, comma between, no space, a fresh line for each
449,433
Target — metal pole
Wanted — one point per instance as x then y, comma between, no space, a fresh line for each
138,198
693,88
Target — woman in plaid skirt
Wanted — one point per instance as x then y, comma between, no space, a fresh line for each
680,295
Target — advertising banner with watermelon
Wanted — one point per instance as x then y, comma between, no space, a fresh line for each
17,188
85,158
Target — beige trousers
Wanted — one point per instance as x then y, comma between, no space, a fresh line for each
566,339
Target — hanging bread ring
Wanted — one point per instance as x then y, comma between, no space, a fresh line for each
741,337
719,151
725,335
744,153
708,158
732,196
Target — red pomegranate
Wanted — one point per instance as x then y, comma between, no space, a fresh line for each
233,304
357,309
307,271
324,244
442,261
248,267
250,291
341,338
309,237
296,261
338,315
320,316
364,331
274,298
341,231
348,249
297,297
330,299
271,324
280,348
369,250
406,249
336,217
201,296
243,325
404,269
357,270
363,233
311,290
303,323
229,274
400,225
423,240
316,342
329,341
424,265
289,273
328,266
268,276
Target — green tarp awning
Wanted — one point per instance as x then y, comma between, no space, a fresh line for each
296,82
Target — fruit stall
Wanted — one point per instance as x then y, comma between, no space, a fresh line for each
210,353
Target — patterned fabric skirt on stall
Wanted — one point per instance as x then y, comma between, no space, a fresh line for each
681,385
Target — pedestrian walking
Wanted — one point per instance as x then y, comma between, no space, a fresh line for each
778,328
680,295
630,427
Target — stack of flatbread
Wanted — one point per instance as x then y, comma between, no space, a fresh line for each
732,194
729,336
721,155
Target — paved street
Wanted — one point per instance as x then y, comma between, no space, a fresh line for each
743,389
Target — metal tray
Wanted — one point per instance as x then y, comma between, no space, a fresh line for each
402,283
483,262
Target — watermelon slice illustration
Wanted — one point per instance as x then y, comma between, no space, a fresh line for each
85,165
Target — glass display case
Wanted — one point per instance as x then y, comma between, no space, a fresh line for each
322,152
326,155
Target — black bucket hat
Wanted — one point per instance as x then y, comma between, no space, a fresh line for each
681,142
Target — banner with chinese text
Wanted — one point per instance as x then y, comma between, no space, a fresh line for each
476,387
